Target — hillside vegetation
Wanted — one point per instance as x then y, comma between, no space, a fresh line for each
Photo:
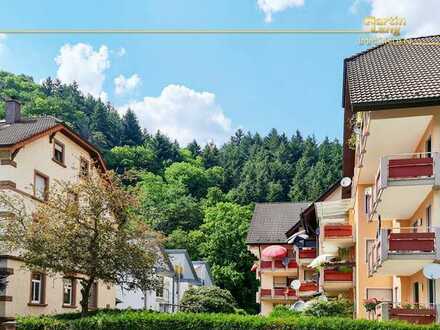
201,197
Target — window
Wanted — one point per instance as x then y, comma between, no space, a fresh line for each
416,293
93,297
83,167
41,186
37,287
280,282
368,246
159,290
431,292
428,218
428,147
68,292
367,201
385,295
58,152
416,225
309,275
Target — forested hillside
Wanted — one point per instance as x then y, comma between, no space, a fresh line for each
200,197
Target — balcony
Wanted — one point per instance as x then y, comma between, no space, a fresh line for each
307,288
285,265
337,280
401,252
305,256
340,235
412,313
402,183
280,294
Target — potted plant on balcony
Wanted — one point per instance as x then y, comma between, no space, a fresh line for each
370,304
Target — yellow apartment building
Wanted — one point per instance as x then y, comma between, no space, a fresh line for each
381,224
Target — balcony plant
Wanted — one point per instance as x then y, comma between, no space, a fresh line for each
370,304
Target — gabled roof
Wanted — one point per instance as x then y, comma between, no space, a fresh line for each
185,254
208,269
11,134
270,222
14,136
165,264
397,73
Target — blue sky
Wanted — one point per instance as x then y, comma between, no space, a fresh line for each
206,86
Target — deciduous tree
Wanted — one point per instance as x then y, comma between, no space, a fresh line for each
88,229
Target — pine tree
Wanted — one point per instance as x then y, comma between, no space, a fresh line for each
131,131
194,148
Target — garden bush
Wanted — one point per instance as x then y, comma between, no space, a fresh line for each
137,320
335,307
207,299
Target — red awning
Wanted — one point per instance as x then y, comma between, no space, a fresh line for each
274,251
254,268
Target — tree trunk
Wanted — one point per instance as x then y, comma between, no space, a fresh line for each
86,286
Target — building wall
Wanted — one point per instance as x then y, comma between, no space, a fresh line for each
136,299
19,289
365,229
37,156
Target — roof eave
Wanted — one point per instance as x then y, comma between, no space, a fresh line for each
395,104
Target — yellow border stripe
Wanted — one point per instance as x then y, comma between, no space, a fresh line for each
179,31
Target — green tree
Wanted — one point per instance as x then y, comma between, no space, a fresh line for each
192,177
131,131
85,228
188,240
167,205
126,158
194,148
225,226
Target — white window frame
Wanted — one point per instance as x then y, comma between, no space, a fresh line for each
41,193
68,286
36,283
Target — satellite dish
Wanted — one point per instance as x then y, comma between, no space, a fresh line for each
298,306
432,271
346,182
295,284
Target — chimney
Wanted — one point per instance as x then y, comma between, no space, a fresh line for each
13,111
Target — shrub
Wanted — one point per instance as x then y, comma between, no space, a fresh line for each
208,299
337,307
142,320
283,311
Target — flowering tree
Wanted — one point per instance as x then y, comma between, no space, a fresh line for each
86,229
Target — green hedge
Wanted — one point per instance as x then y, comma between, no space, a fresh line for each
132,320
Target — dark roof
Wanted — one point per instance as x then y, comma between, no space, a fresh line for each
398,72
270,222
308,216
19,133
11,134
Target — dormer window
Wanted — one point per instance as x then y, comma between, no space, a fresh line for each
83,167
58,152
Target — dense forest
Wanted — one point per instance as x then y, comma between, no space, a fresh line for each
200,197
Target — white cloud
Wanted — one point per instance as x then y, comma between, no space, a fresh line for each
273,6
421,16
183,114
124,85
81,63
